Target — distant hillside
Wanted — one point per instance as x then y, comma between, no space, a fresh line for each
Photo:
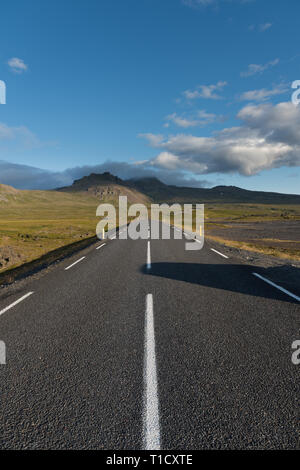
159,191
108,186
7,192
36,203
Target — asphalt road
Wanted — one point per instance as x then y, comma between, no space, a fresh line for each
135,347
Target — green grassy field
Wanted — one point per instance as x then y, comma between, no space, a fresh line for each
33,223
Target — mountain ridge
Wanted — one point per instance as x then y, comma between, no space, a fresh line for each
107,186
154,189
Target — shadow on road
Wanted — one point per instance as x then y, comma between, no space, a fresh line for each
232,277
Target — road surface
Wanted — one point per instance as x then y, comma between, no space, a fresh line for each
144,345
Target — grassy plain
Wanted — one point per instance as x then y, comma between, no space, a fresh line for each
33,223
262,228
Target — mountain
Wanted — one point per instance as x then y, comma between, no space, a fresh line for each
95,179
161,192
109,187
106,187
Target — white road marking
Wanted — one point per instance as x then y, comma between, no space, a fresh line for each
100,246
277,287
151,412
112,238
71,265
148,256
15,303
221,254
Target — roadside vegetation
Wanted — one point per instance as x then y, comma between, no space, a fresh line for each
269,229
32,223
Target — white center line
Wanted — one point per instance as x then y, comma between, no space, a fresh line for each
15,303
66,269
100,246
148,256
221,254
277,287
151,412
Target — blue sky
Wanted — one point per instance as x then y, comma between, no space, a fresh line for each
197,92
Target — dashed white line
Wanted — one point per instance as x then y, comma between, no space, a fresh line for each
221,254
148,256
73,264
277,287
15,303
151,409
100,246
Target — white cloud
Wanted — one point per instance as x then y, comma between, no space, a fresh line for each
200,118
269,137
153,139
253,69
205,3
195,3
205,91
17,65
6,132
168,160
264,27
280,123
14,139
206,118
261,27
263,94
20,135
180,121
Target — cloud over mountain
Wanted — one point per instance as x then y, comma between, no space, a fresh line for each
28,177
268,137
